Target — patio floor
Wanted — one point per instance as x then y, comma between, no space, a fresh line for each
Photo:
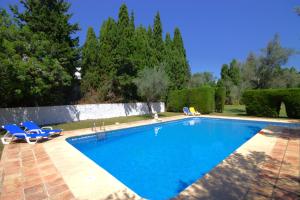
265,167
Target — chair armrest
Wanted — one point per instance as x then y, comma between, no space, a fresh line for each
47,128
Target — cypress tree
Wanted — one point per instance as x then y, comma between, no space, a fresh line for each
184,72
126,71
89,51
158,45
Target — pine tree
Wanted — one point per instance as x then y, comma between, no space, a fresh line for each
157,45
89,51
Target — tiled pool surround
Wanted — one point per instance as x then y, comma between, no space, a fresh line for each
236,177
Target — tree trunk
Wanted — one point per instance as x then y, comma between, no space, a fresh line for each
149,107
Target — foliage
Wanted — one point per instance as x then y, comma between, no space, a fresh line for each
263,103
231,81
152,83
202,79
259,72
52,19
220,96
124,51
201,98
291,100
30,74
177,99
89,52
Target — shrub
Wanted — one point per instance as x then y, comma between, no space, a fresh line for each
201,98
177,99
263,103
220,96
291,100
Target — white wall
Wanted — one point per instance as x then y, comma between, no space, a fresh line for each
69,113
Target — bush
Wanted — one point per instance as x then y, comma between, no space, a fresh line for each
220,97
201,98
263,103
177,99
291,100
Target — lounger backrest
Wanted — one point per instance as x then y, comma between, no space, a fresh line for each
12,128
186,110
192,109
30,125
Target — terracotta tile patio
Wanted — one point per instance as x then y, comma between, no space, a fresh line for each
28,173
265,167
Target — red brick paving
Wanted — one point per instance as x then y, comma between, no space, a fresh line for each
28,174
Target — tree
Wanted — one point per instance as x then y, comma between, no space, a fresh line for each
273,56
182,67
152,84
126,71
52,19
157,44
89,51
98,82
201,79
29,75
234,72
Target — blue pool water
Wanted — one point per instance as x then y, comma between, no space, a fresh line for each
159,161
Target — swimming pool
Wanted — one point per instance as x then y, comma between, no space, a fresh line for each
158,161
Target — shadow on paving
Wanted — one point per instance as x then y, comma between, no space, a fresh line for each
238,177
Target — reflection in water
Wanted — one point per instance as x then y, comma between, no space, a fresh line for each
156,130
192,122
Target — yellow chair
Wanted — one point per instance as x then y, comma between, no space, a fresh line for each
194,112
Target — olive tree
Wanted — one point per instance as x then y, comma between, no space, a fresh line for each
152,84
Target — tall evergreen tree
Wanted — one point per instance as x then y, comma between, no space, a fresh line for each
234,72
89,51
52,18
184,72
29,76
126,71
157,45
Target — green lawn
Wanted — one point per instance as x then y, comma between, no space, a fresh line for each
109,121
239,110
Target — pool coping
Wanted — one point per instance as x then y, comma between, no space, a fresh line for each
78,171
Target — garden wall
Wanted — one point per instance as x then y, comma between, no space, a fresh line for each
70,113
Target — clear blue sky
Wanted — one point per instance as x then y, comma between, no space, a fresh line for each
214,31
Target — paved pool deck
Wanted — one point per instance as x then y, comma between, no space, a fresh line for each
265,167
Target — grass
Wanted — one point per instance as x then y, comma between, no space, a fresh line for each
240,111
109,121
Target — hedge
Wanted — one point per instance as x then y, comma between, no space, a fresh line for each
201,98
291,100
177,99
220,97
267,102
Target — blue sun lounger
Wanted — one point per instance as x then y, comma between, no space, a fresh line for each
30,125
187,111
15,132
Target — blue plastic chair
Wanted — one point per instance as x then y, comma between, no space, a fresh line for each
15,132
187,111
30,125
